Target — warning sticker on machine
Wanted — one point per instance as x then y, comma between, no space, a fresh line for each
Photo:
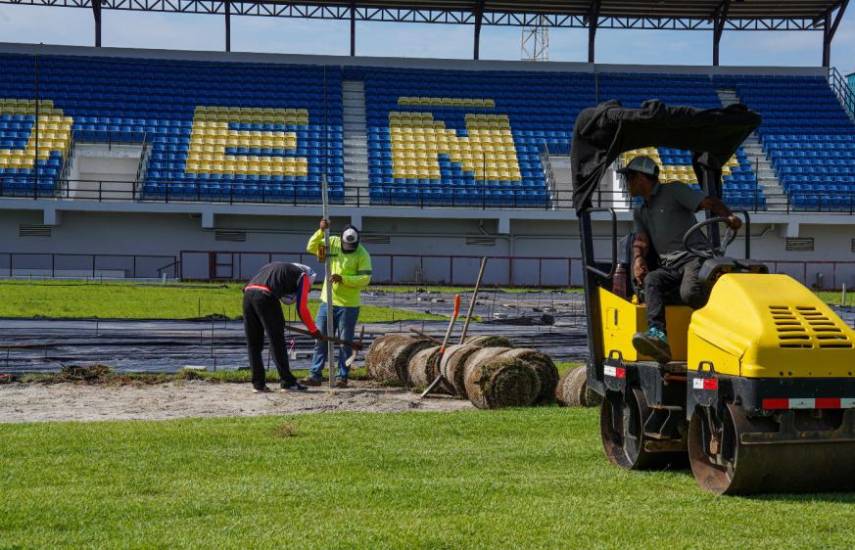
705,384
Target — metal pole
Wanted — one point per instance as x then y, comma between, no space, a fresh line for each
352,29
36,126
474,299
228,25
328,283
327,261
96,12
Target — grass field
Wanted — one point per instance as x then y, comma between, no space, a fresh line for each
120,300
533,478
123,300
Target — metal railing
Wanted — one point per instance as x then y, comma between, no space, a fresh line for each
462,269
843,91
95,266
478,197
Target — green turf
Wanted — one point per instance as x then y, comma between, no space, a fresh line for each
532,478
122,300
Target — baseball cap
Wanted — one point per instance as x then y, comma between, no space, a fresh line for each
349,239
642,165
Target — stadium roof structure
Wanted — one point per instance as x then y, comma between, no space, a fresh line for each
699,15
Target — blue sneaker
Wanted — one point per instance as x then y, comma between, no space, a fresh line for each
653,343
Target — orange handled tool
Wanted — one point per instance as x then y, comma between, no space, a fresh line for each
454,315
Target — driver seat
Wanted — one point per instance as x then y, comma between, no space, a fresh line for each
714,268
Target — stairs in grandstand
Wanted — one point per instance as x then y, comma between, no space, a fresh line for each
355,142
776,197
556,169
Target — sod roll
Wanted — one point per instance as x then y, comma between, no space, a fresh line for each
493,381
544,368
572,387
488,342
423,367
387,360
453,367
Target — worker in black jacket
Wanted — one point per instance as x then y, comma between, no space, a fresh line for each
289,283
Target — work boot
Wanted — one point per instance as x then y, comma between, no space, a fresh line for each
293,386
313,381
653,343
260,389
341,383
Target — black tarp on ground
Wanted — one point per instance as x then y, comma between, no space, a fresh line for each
603,132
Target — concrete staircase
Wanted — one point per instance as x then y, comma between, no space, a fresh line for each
355,143
776,197
556,170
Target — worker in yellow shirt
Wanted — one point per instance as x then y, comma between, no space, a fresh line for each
350,272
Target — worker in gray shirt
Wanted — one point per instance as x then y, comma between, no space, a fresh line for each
661,221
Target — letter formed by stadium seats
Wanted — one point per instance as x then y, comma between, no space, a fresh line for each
54,133
488,151
683,173
218,148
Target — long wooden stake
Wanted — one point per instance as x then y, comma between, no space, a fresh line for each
328,284
474,299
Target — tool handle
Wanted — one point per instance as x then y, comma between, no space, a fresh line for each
473,300
454,316
340,342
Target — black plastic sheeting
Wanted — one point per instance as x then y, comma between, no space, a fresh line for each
169,346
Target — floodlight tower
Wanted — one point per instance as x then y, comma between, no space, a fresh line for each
534,45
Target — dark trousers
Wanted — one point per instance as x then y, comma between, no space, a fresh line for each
262,313
674,284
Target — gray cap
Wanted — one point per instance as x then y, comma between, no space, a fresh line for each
642,165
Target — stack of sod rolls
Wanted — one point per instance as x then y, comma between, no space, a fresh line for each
486,369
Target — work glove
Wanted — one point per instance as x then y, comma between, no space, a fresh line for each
734,222
639,271
317,335
336,279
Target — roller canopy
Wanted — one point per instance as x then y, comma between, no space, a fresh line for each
603,132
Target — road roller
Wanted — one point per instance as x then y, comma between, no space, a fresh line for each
759,395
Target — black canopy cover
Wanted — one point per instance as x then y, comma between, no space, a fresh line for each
603,132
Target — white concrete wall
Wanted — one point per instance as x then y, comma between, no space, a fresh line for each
102,171
422,248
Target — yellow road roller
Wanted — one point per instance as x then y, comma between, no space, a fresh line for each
759,395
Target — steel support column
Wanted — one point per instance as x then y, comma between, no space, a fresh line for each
476,46
352,29
593,25
719,18
228,7
831,24
96,13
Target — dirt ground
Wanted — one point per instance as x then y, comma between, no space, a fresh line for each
78,402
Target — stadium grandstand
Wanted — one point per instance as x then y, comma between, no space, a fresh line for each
150,163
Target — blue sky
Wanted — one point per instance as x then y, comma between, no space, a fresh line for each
31,24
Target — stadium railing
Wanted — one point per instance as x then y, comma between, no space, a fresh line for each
83,266
480,197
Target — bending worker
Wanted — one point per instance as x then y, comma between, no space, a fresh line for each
277,281
661,221
350,272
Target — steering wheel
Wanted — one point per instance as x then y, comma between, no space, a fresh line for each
711,251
